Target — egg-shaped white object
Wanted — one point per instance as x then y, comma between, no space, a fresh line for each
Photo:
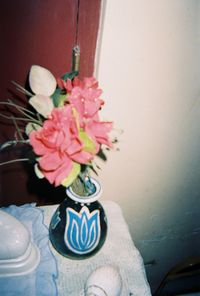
104,281
18,255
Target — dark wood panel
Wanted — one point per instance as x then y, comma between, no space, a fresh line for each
31,32
43,33
89,15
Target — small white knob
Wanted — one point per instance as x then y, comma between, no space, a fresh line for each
104,281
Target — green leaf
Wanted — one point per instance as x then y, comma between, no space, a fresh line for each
88,144
69,75
56,96
62,100
93,169
72,175
102,155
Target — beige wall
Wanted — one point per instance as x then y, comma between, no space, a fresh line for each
148,65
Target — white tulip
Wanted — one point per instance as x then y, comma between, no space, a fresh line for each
42,81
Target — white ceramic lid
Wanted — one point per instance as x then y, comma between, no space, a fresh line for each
18,255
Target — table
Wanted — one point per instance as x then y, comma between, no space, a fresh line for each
118,251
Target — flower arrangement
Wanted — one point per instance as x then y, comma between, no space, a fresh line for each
63,127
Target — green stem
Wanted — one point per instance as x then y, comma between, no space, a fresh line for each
14,160
17,129
10,103
23,110
13,142
22,89
21,118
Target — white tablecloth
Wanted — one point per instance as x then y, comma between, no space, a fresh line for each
118,251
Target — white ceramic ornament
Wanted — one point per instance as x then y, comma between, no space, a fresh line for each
18,255
104,281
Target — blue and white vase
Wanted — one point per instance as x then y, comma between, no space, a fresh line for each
78,227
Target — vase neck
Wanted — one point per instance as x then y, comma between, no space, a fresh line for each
85,199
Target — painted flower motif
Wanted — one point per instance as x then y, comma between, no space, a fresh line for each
82,232
59,146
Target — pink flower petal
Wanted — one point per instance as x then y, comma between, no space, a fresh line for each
57,176
37,144
99,130
82,157
74,147
50,162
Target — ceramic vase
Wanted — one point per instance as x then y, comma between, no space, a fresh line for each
78,227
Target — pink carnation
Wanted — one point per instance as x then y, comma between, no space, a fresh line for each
85,97
58,145
98,131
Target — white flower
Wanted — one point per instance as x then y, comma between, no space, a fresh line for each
42,104
42,81
43,84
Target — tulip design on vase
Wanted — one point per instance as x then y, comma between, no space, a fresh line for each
78,227
82,232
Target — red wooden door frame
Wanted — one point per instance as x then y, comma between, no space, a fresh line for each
17,186
88,26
